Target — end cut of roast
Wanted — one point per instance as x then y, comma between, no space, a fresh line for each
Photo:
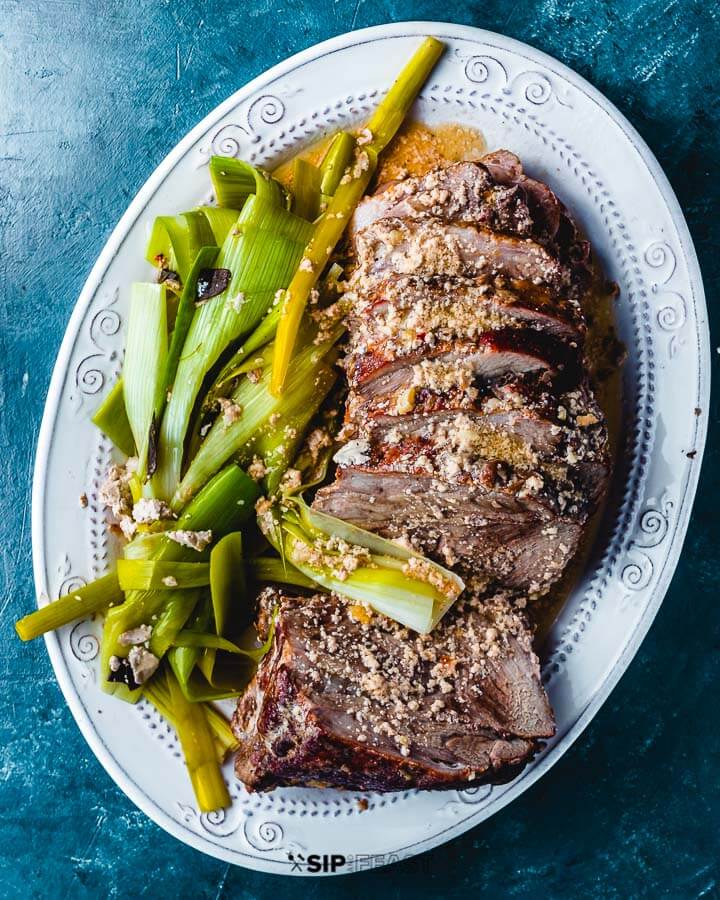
348,699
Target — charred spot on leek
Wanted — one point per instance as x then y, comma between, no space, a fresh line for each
210,283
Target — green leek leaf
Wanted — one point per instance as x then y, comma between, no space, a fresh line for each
144,367
149,574
261,253
311,379
111,418
306,189
234,181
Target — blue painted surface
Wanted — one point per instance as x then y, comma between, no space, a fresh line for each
92,96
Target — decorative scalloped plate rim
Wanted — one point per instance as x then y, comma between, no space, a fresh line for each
652,525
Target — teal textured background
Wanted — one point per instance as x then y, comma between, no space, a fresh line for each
92,97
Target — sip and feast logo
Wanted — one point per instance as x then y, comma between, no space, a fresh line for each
323,863
317,862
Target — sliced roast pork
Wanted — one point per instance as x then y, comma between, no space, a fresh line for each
515,422
349,699
515,528
415,311
472,434
480,440
493,192
428,247
494,354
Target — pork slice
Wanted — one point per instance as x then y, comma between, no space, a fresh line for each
524,431
464,192
517,423
493,192
428,247
514,534
383,370
551,215
349,699
416,310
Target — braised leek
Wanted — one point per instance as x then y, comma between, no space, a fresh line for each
261,252
234,181
198,748
144,367
381,129
311,379
98,596
360,565
111,418
306,189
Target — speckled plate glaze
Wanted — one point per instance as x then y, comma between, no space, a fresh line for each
569,135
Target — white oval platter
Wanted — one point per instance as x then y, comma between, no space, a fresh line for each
569,135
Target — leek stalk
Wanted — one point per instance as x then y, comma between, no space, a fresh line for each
261,252
382,127
92,598
306,189
215,642
311,379
225,503
184,661
221,730
111,418
391,112
278,447
183,319
220,220
198,747
175,241
362,566
335,161
232,608
157,692
261,336
234,181
228,593
275,571
150,575
172,619
144,367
